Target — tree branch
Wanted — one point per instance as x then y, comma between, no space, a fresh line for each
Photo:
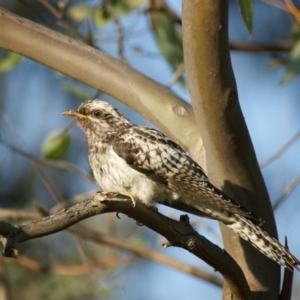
178,233
60,17
99,237
231,160
289,188
156,103
120,37
256,48
281,151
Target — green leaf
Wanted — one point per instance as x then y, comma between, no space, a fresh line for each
124,7
121,8
101,17
246,9
79,13
295,32
169,38
11,60
293,65
55,145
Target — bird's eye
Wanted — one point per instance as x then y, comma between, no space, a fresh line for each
97,113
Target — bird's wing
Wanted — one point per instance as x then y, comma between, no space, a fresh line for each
152,153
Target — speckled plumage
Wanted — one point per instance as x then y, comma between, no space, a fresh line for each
143,162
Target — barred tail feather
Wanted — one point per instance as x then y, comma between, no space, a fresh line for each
262,241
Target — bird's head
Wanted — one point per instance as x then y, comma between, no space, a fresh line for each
96,117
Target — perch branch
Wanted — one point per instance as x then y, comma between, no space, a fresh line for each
178,233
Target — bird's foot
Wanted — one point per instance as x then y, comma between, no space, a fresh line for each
131,198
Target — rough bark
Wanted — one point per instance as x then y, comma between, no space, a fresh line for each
177,233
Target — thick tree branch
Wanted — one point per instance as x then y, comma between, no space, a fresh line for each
179,234
101,71
99,237
231,159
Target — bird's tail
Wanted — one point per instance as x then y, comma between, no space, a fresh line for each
262,241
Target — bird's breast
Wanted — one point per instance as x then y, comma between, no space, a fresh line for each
113,174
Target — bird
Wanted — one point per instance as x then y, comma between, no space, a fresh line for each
146,165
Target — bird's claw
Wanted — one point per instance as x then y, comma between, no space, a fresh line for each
131,198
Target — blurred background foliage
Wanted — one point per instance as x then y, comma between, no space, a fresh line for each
43,159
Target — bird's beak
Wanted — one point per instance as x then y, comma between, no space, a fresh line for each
73,113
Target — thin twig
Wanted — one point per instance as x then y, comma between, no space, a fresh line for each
58,164
58,14
120,38
176,75
36,166
280,151
46,179
290,187
35,12
286,5
48,182
256,48
64,130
